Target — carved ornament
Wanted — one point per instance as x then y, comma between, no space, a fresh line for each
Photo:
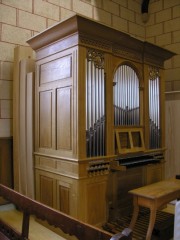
153,73
96,57
102,44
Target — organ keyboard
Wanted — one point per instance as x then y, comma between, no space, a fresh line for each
135,160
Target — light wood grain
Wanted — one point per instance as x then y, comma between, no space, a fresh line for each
30,135
172,166
19,54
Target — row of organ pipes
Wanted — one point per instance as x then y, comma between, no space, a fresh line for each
95,104
126,97
154,110
126,91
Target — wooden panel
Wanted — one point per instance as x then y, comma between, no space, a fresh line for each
172,165
22,130
26,96
64,201
46,190
30,135
154,173
67,167
64,138
19,54
56,70
96,206
47,162
45,119
133,179
119,185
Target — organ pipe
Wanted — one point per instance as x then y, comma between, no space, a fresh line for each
126,97
95,106
154,108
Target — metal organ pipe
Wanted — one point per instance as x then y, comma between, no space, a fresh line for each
154,112
126,97
95,107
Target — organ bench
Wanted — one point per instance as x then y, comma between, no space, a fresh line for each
154,197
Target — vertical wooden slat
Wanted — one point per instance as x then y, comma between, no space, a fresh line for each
19,54
25,125
30,134
25,225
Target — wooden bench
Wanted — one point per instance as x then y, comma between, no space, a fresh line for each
154,197
67,224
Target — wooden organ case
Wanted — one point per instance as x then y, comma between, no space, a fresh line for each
99,106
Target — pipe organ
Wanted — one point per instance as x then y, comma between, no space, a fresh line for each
99,118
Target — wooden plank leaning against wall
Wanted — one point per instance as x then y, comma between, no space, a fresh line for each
172,133
23,120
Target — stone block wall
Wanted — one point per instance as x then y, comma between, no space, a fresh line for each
22,19
163,29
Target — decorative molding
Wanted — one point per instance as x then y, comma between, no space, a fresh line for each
154,60
96,57
93,34
153,73
126,53
102,44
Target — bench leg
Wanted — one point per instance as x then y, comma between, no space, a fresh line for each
135,213
151,223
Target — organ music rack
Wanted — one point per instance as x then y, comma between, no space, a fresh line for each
91,82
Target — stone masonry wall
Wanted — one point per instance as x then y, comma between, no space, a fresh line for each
22,19
163,29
